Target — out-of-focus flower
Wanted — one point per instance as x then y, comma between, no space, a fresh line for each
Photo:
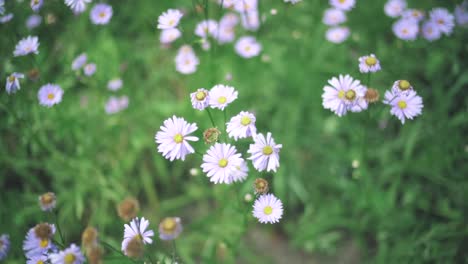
406,29
89,69
442,18
101,14
77,6
47,201
33,21
337,34
12,82
394,8
334,17
49,95
248,47
79,61
170,228
169,19
116,104
26,46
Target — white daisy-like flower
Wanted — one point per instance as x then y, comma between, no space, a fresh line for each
38,240
241,126
239,174
77,6
443,20
394,8
343,94
404,105
206,28
27,46
229,20
79,61
406,29
226,34
415,14
369,63
268,209
170,228
4,246
430,31
333,17
70,255
220,162
221,96
345,5
89,69
49,95
200,99
243,6
169,35
401,86
264,153
248,47
137,230
169,19
115,84
250,20
101,14
12,82
337,34
173,138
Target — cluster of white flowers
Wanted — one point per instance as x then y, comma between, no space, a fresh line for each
344,94
413,23
334,17
222,162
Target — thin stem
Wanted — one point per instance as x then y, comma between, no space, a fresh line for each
109,246
368,80
224,124
211,117
58,226
174,251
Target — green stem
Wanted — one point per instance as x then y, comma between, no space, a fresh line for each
174,251
224,124
211,117
109,246
58,226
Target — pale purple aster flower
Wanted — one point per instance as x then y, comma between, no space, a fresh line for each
34,245
404,105
229,20
264,153
115,84
4,246
200,99
250,20
430,31
243,6
345,5
70,255
79,61
77,6
333,17
137,230
169,19
268,209
169,35
49,95
33,21
394,8
26,46
248,47
39,259
116,104
101,14
226,34
239,174
222,95
406,29
343,94
170,228
415,14
206,28
401,86
89,69
461,13
443,20
12,82
241,126
173,138
6,18
187,64
220,161
36,5
369,63
337,34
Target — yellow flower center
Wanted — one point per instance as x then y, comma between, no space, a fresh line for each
40,262
371,61
223,163
342,1
169,225
268,210
404,85
402,104
440,21
350,95
405,31
222,99
247,48
44,243
102,14
245,120
11,78
69,258
51,96
200,96
171,22
341,94
267,150
178,138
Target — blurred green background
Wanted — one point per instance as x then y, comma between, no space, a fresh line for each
405,202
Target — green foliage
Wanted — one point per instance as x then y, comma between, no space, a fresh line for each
406,202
